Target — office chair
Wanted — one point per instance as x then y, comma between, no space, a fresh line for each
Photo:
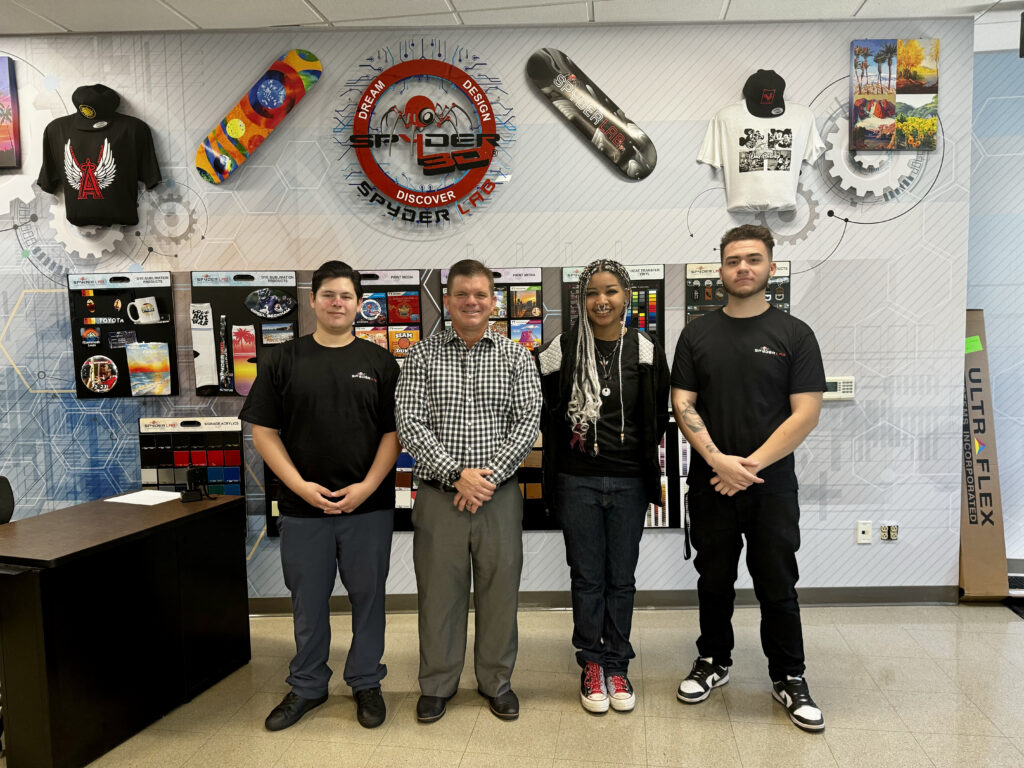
6,512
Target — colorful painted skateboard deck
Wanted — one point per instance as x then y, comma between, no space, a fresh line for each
256,115
589,110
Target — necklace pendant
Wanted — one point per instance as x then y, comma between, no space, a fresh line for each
606,391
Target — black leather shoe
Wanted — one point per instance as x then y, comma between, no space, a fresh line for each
431,708
290,711
370,708
504,705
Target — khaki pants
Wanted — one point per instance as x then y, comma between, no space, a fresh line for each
447,544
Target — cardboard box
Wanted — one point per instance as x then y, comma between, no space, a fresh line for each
983,574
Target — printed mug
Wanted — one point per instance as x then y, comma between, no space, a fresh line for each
146,310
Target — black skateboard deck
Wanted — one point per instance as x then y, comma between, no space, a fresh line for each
589,110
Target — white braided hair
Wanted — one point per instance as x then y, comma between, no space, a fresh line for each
585,397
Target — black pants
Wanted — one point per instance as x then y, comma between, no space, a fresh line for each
771,525
313,551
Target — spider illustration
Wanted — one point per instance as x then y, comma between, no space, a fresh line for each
420,113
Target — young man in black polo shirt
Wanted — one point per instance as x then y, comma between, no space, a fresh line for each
322,409
746,391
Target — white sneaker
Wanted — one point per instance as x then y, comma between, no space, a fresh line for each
704,675
792,693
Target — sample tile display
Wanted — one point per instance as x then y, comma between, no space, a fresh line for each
389,314
207,449
227,335
123,334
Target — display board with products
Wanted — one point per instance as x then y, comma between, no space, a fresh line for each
519,311
235,316
705,292
390,313
645,308
123,334
203,452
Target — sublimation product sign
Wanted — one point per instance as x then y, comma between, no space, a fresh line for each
422,139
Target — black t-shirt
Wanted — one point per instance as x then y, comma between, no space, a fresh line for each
99,168
332,406
743,371
618,458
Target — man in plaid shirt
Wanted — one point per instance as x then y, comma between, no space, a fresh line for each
468,411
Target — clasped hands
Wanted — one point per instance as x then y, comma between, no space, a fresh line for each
733,474
473,489
335,502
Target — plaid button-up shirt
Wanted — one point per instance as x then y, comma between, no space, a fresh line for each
459,406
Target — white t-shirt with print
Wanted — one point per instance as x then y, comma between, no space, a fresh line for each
761,156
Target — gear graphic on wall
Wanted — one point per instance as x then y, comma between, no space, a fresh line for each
795,225
84,242
861,178
169,219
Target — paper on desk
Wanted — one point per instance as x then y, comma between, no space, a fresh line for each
147,498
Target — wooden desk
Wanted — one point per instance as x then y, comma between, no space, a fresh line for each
112,615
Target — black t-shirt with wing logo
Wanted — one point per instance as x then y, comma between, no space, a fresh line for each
743,371
99,168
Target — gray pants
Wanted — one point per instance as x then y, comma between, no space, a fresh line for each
313,549
446,544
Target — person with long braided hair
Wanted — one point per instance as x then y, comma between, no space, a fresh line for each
605,410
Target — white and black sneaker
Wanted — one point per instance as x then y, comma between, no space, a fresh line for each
792,693
704,676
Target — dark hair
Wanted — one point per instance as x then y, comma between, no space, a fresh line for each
747,232
332,269
470,268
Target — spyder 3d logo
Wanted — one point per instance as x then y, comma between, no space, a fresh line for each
427,142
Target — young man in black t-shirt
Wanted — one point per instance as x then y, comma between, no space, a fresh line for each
322,411
746,391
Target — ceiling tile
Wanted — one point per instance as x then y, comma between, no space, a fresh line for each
486,5
107,16
657,10
903,9
348,10
794,10
562,13
18,21
258,13
426,20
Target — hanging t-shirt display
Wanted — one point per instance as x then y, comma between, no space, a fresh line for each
760,157
98,156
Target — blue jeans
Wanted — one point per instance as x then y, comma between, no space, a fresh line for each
602,521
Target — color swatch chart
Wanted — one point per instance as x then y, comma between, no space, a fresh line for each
209,446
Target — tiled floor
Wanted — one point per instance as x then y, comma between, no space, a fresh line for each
899,686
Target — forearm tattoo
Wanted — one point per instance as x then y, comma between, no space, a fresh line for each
693,422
